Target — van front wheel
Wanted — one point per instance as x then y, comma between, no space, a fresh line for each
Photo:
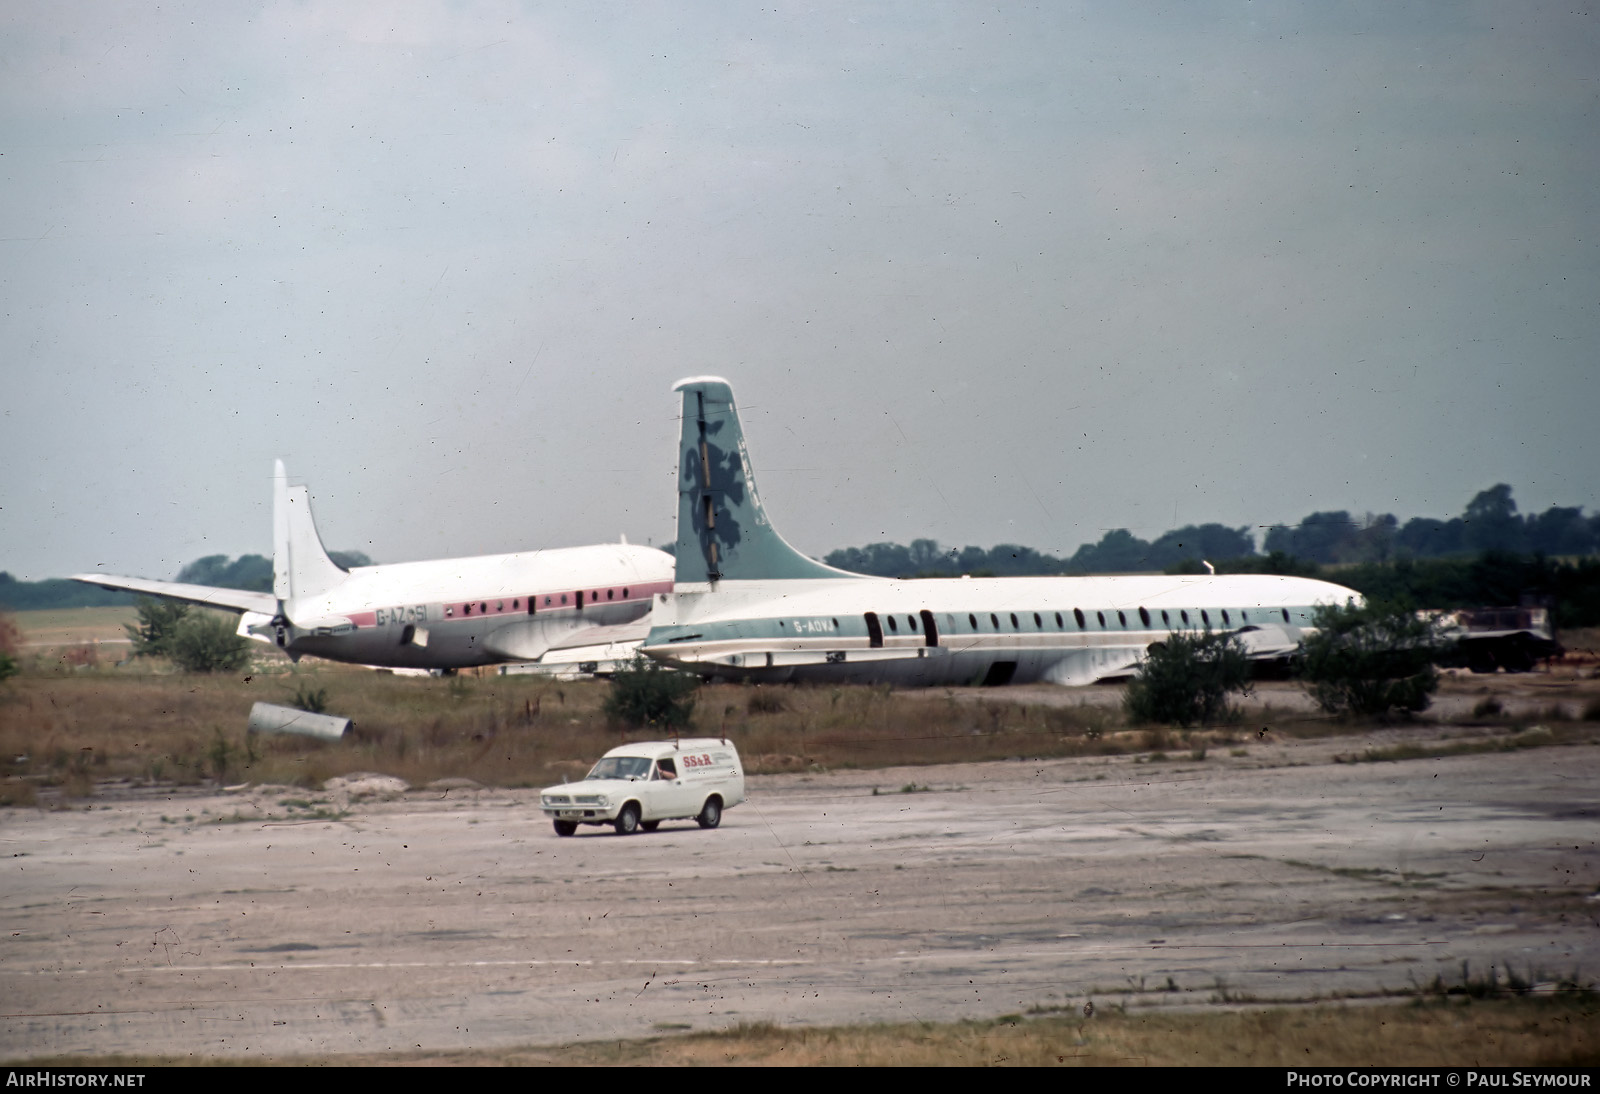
627,822
565,828
710,814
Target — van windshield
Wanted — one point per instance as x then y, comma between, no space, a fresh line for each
620,767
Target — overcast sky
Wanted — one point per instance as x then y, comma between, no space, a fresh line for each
984,273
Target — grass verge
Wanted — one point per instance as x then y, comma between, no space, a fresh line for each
1561,1031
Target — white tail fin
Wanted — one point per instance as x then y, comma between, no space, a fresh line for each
300,565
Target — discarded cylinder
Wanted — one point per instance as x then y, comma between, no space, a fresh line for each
271,718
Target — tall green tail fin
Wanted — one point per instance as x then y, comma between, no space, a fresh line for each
723,531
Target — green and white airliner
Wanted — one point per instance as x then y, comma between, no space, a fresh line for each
442,614
746,605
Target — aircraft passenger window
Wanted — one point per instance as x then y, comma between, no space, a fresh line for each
994,620
1059,624
563,598
1144,617
1286,615
1185,615
1037,622
449,612
1245,616
1123,619
973,620
1205,617
1165,618
835,624
1102,617
893,626
1077,613
610,593
1225,617
517,603
466,609
1013,620
499,605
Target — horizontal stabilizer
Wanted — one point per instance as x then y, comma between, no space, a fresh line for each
233,600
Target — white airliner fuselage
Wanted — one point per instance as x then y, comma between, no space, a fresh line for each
443,614
746,605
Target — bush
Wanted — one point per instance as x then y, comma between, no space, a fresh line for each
158,623
1371,661
647,694
207,642
1185,680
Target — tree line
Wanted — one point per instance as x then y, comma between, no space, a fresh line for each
1490,523
250,572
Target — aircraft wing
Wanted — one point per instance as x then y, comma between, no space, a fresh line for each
233,600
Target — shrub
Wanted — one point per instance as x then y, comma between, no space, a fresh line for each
206,642
158,623
1372,660
10,636
647,694
309,699
1186,680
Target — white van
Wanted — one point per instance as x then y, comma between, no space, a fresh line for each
640,785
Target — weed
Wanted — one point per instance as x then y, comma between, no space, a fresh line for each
309,699
765,701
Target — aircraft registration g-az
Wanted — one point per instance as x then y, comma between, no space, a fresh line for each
446,614
746,605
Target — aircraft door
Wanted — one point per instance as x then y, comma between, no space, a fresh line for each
930,629
874,631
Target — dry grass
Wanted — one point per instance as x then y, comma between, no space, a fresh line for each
1549,1032
64,729
75,718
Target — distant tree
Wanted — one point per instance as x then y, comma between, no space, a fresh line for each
349,560
1204,542
1186,679
1118,551
1321,537
1491,521
158,623
207,642
1424,537
251,572
1559,531
1371,661
647,694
